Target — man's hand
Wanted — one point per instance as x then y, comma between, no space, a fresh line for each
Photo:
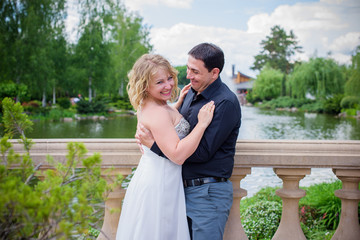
143,137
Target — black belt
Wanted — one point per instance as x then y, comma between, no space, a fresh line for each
201,181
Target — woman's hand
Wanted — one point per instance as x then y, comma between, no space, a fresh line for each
206,114
182,95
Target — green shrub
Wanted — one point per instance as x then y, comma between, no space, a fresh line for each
316,107
123,104
321,196
350,112
264,194
69,113
317,232
86,107
332,105
286,102
64,103
319,212
63,204
261,220
55,114
350,102
34,108
252,97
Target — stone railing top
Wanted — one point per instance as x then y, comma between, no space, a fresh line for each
298,153
249,153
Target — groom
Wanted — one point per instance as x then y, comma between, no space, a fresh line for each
208,192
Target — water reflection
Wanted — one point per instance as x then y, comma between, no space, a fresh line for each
256,124
119,127
268,124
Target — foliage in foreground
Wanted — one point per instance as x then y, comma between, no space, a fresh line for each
319,212
60,206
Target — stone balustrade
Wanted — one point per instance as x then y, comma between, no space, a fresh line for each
291,161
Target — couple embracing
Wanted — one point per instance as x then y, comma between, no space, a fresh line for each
181,188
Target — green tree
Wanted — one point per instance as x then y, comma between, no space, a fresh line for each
320,77
277,51
129,40
27,29
268,83
352,86
92,58
61,58
182,75
14,50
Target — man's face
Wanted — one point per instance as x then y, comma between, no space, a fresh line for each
198,74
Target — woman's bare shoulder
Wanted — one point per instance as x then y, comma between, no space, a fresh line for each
153,114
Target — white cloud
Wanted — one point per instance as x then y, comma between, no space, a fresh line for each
345,43
136,5
320,27
174,43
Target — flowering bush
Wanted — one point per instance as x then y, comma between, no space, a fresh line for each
262,219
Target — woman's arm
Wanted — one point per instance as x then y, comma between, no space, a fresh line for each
183,93
164,133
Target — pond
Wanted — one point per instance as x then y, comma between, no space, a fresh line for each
256,124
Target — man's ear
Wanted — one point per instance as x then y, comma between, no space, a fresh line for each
215,73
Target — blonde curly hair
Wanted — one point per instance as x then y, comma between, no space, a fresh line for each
142,72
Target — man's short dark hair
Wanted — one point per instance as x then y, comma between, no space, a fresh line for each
210,54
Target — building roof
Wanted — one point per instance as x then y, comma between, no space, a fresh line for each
244,75
244,85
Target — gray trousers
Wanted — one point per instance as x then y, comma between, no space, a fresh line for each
207,208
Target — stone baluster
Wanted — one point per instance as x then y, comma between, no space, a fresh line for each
113,204
234,229
289,227
348,228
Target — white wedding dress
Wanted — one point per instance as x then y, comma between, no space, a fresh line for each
154,204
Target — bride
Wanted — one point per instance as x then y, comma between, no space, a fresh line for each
154,204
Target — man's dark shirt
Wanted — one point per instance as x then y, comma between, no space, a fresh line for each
214,156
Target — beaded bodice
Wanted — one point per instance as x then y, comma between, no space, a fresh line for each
182,128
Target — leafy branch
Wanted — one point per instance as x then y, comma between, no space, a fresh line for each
63,204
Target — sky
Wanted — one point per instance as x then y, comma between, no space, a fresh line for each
238,27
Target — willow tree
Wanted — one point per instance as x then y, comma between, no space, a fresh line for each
352,86
320,77
268,83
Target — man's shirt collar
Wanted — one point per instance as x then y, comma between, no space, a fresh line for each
210,90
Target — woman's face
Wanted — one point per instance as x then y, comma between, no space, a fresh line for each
161,86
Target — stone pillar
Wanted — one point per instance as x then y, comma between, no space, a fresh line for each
348,228
289,227
234,229
112,205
